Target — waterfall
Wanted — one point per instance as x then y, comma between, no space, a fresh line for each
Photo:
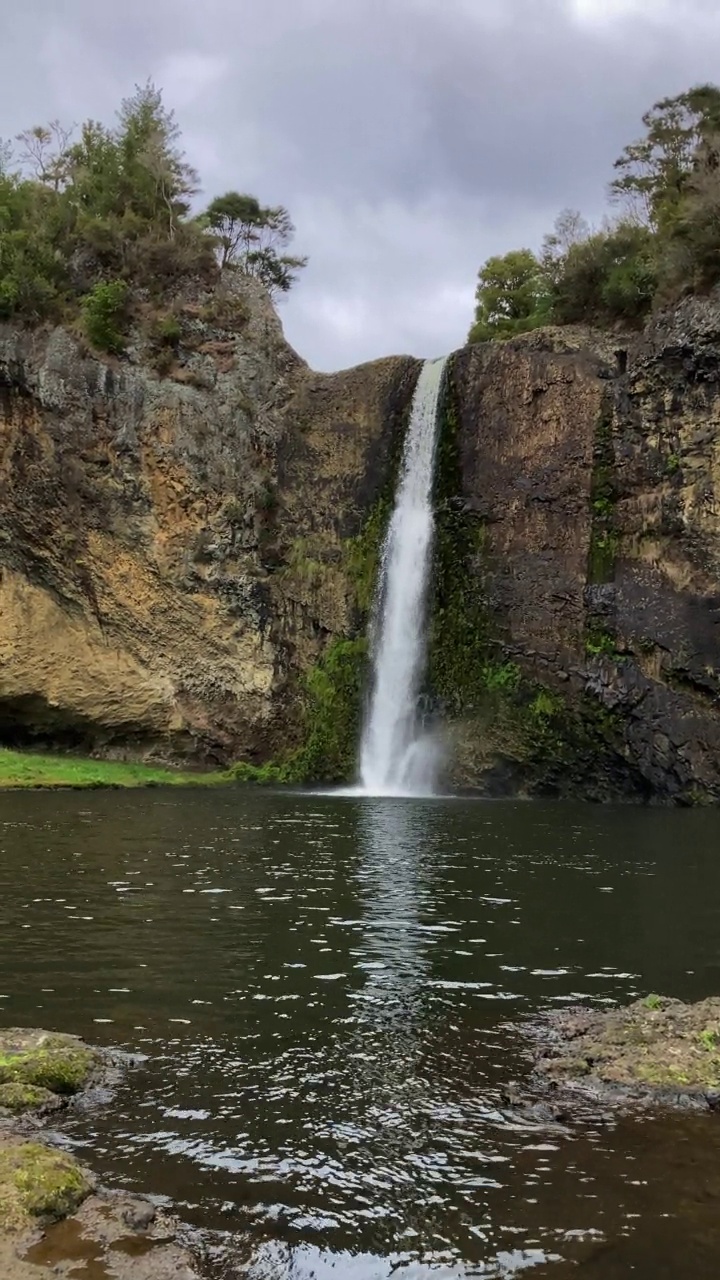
395,757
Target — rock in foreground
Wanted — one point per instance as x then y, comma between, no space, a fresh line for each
657,1049
40,1067
52,1213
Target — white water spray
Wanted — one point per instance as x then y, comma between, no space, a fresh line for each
395,757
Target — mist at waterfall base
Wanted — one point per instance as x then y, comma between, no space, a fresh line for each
398,757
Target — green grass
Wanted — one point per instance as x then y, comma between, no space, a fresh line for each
18,769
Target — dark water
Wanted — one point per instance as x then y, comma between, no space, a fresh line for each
326,988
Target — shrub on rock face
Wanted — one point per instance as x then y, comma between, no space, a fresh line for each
104,315
512,296
606,277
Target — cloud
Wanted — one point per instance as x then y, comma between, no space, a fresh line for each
409,138
187,76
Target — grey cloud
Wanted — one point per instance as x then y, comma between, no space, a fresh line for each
409,138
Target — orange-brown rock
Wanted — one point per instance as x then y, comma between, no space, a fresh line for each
178,546
155,531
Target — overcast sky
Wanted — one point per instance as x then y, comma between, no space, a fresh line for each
410,139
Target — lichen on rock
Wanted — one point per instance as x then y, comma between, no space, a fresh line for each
17,1096
38,1185
655,1048
57,1064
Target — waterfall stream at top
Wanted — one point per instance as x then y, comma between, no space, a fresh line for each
396,757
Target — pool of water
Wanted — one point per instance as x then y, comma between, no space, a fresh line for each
328,992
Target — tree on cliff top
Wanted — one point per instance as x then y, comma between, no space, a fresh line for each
80,209
511,296
251,236
653,172
665,243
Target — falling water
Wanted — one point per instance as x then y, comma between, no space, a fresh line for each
396,758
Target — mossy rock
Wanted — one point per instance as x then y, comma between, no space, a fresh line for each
61,1064
18,1097
659,1044
38,1185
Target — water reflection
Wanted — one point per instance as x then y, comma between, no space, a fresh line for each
323,987
393,877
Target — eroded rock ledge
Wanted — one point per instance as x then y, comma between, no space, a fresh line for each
53,1213
657,1051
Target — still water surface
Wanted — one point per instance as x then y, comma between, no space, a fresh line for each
328,989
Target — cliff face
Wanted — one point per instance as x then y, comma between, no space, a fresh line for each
594,471
189,537
154,531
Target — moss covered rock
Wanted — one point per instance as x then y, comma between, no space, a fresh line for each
38,1185
58,1063
657,1046
17,1097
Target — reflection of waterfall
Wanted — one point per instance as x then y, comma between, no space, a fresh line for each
391,882
395,758
390,1037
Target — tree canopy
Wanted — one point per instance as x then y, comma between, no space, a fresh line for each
252,236
665,241
512,296
109,208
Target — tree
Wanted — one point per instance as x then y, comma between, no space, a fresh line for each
570,228
609,276
690,254
250,237
512,296
234,220
158,181
45,153
653,172
85,213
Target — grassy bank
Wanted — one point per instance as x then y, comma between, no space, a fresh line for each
19,769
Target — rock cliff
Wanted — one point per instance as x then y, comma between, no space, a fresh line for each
589,469
189,537
170,529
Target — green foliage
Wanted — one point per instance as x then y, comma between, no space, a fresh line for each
300,564
363,553
603,495
690,259
114,204
653,172
600,644
666,241
608,276
19,769
333,703
251,237
544,706
38,1184
168,330
263,775
672,464
512,296
709,1039
33,276
333,709
653,1002
502,678
104,315
458,643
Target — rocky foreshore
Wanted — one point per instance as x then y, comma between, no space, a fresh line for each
54,1215
655,1052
